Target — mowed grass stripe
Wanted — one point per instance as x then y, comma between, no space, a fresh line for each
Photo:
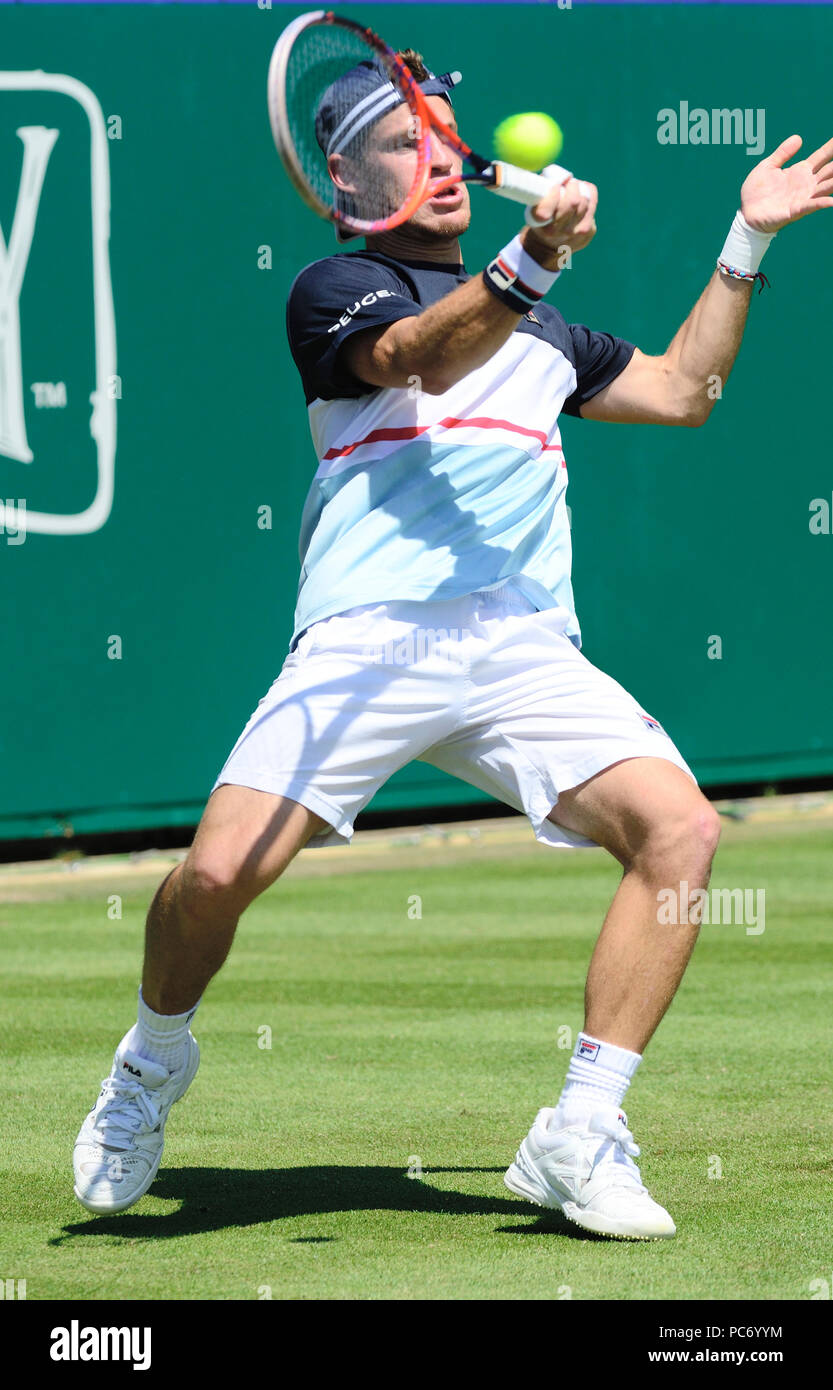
426,1044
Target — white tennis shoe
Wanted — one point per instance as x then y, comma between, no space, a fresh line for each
119,1147
587,1170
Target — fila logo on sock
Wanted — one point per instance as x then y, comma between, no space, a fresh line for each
134,1071
588,1050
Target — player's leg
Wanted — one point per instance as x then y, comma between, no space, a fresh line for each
245,840
579,1156
342,717
552,735
656,822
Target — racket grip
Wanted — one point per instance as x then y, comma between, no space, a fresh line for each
520,185
524,187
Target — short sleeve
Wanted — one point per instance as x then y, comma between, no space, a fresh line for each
598,358
328,302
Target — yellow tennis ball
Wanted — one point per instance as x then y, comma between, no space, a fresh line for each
530,140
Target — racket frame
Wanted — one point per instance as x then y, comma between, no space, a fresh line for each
402,78
507,180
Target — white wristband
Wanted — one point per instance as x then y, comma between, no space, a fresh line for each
744,248
527,269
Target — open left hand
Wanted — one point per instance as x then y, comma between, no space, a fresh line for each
772,196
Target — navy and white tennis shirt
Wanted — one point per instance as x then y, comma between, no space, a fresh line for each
434,497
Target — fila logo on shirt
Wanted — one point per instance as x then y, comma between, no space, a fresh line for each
588,1050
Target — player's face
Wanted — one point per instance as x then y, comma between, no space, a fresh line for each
449,214
392,155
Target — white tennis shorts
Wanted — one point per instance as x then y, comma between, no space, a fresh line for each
484,687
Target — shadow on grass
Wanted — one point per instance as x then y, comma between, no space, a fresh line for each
215,1199
554,1223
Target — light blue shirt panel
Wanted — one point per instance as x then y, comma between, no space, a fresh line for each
436,522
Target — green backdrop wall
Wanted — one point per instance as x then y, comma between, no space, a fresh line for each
680,536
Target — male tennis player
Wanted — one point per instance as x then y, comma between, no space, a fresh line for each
435,620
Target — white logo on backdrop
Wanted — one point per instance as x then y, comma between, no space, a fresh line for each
38,143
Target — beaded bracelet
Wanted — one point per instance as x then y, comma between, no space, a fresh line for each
751,276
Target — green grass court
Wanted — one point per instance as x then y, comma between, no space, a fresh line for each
425,1044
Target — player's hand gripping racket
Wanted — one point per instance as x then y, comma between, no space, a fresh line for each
352,160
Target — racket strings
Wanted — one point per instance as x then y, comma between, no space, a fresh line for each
356,140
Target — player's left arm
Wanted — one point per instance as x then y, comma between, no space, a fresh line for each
673,389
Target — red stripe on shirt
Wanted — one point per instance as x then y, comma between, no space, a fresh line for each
450,422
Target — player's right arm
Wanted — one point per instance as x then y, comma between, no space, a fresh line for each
439,347
464,330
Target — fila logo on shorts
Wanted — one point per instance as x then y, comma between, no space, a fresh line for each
588,1050
652,723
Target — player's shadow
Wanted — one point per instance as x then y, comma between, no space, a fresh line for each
217,1198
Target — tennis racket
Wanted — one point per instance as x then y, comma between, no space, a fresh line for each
359,151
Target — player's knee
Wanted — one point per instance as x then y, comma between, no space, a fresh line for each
703,834
709,828
683,841
211,886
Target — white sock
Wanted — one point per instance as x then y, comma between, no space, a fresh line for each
599,1074
160,1038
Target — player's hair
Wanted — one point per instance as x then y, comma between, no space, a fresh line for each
415,62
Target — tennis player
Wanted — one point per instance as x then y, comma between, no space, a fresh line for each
435,620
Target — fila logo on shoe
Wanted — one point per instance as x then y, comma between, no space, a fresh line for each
134,1071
